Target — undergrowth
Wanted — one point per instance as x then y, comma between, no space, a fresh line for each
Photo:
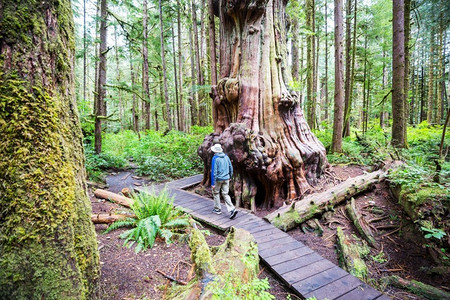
155,216
158,155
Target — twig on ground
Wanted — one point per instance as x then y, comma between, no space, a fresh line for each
392,232
171,278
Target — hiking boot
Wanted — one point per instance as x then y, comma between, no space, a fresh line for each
217,211
233,213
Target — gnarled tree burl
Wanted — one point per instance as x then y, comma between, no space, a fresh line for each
259,121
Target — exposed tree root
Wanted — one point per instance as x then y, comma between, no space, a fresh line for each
417,287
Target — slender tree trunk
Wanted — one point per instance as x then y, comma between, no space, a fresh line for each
213,60
97,55
259,123
133,84
48,244
338,122
145,79
181,119
163,60
177,102
441,72
364,109
326,62
412,107
348,44
193,97
423,116
407,21
430,115
398,74
295,50
202,117
101,92
310,62
119,92
84,50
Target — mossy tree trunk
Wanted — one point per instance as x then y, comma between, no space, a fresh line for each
259,122
47,241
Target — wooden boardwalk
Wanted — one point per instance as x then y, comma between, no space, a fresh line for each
298,266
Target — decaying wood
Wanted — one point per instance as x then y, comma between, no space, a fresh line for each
116,198
237,258
108,219
289,216
350,255
360,223
417,287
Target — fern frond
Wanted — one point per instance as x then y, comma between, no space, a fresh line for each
119,224
175,223
166,234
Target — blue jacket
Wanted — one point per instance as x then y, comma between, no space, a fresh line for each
221,168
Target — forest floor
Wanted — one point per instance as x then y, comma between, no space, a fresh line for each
127,275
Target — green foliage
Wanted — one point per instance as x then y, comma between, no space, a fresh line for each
155,215
230,287
433,232
379,258
97,163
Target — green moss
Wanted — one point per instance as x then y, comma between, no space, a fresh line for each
200,252
351,255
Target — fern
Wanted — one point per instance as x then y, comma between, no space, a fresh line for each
119,224
176,223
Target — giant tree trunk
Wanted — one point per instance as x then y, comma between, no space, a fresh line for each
398,74
259,122
47,241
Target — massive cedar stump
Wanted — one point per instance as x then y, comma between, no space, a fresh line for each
259,121
48,247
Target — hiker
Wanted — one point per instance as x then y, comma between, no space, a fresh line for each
221,173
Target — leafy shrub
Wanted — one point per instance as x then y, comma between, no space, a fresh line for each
96,163
155,216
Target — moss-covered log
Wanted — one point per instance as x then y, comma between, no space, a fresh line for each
289,216
417,287
351,255
260,123
230,267
47,240
360,224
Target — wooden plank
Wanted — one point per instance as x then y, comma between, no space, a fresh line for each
277,248
319,280
363,292
273,237
299,274
296,263
288,255
257,227
270,231
336,288
232,222
383,297
269,244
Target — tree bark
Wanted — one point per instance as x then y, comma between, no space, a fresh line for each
430,115
175,80
202,115
180,69
193,95
350,255
119,92
407,21
101,91
398,74
348,45
145,79
326,63
108,219
310,63
163,61
47,241
338,78
213,59
295,49
260,124
133,83
441,81
360,224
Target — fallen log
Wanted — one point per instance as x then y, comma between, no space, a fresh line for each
360,223
230,266
417,287
351,255
116,198
289,216
108,219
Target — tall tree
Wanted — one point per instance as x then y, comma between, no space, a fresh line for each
338,122
430,115
202,112
100,96
163,62
175,78
326,63
180,68
145,77
398,74
348,45
212,50
48,244
260,123
310,64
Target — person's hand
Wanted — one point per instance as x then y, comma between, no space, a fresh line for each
213,186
